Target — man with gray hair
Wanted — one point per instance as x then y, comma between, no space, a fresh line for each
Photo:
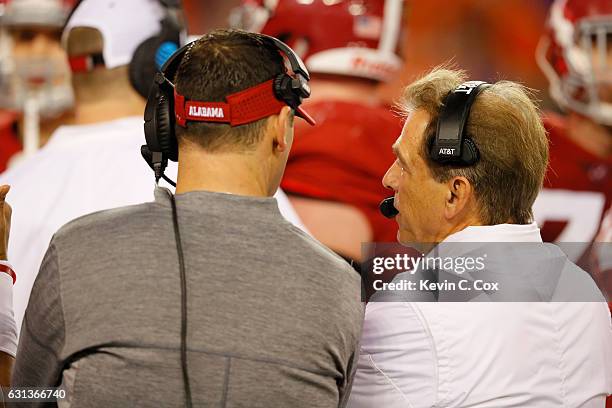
471,176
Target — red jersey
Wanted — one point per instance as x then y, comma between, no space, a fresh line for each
577,189
575,204
344,158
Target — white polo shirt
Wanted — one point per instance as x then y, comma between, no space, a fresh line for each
82,169
485,355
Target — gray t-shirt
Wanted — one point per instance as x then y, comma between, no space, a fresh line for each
274,317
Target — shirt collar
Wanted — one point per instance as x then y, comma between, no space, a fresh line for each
220,204
498,233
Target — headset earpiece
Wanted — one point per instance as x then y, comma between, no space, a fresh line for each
469,152
450,145
165,128
160,117
283,90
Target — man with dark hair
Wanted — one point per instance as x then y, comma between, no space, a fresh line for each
251,65
272,318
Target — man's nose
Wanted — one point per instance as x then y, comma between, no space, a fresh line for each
390,178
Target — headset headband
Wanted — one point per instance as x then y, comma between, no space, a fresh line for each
449,145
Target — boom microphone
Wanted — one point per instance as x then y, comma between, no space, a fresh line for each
387,209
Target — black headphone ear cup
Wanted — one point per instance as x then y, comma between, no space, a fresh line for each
469,152
165,131
278,86
142,67
282,89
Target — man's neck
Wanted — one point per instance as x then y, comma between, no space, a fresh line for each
592,137
107,109
234,173
103,95
472,220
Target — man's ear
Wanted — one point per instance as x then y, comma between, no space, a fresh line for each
460,192
279,125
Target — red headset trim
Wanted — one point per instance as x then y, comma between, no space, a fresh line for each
242,107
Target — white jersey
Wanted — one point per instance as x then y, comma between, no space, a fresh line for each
81,170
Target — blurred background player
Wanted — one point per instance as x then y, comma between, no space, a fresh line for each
204,16
333,176
576,56
34,74
575,205
94,163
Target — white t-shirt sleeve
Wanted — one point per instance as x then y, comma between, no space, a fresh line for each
8,329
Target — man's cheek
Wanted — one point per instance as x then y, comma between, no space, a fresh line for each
407,197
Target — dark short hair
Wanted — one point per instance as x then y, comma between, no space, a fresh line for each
219,64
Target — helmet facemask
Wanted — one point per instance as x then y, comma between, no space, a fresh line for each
577,60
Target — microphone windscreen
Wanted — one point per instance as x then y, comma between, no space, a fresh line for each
387,209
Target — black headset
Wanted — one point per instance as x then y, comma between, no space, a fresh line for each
450,145
151,54
160,115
